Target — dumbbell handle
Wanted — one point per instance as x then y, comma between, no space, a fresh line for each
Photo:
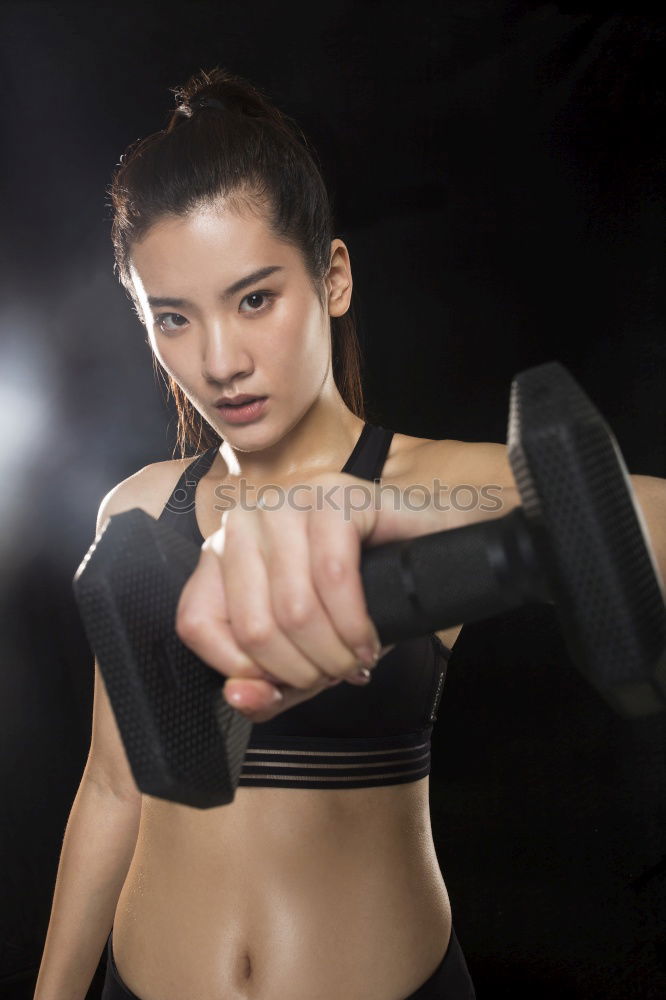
480,570
418,585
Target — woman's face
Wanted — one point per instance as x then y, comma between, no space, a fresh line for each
269,337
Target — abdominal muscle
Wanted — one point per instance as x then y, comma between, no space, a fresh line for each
284,894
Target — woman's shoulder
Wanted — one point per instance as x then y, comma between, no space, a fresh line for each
457,461
149,489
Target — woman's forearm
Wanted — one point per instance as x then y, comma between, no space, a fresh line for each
97,851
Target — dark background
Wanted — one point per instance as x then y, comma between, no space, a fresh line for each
496,171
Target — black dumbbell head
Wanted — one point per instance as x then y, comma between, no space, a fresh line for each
580,507
183,740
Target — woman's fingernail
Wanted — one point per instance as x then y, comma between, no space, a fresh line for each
368,655
363,675
235,696
277,695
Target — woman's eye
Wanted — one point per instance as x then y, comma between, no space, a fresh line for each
258,302
253,296
160,320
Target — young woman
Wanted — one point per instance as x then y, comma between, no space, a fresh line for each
320,880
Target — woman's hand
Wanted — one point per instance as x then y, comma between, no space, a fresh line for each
276,603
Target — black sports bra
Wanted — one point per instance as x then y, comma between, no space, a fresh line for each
347,736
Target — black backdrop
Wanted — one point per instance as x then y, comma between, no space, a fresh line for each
496,173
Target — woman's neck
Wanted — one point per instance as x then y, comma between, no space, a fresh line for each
320,441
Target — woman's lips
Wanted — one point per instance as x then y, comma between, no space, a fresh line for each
245,413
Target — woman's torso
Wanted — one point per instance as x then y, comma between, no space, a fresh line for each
284,892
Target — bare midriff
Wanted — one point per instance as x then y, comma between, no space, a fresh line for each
284,894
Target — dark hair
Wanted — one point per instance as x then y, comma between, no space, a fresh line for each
256,157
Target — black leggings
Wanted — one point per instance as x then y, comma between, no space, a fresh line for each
450,980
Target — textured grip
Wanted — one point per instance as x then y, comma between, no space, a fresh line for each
435,581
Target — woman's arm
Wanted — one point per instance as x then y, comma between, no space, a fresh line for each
483,463
98,846
650,492
101,832
276,604
97,850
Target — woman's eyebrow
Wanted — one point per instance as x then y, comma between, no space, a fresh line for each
156,301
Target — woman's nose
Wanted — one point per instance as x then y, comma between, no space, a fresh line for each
224,356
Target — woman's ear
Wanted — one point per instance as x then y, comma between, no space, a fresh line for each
339,279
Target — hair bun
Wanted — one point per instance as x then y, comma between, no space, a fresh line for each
207,102
222,90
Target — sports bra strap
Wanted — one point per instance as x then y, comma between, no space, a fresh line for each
182,496
369,454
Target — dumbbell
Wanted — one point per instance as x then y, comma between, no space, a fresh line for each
577,541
